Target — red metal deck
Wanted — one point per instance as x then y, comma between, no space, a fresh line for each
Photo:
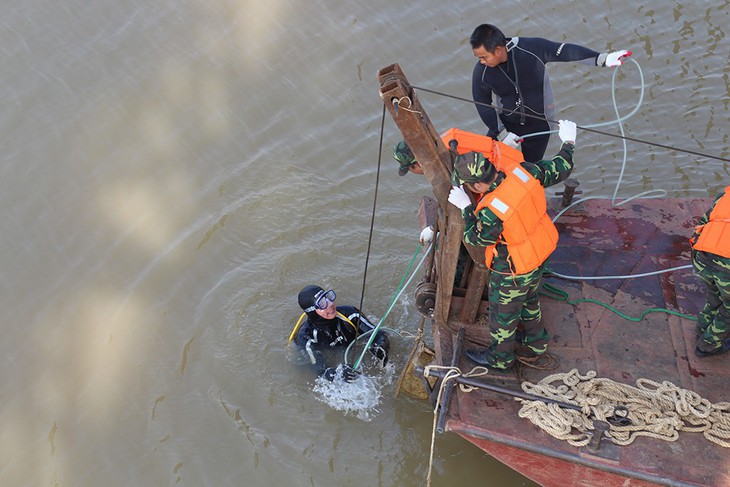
597,239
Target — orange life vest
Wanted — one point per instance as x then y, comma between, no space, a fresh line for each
502,156
529,233
715,234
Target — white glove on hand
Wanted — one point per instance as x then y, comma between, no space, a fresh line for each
426,236
567,131
458,197
613,59
511,140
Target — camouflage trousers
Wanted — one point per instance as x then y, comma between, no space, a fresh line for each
713,322
513,300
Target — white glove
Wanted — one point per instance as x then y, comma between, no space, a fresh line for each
511,140
426,236
613,59
458,197
567,131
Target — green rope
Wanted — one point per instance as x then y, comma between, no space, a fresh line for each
561,295
405,274
392,303
366,335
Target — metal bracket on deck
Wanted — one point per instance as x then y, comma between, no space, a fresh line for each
569,192
599,429
620,417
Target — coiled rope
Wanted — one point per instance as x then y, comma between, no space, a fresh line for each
652,409
656,410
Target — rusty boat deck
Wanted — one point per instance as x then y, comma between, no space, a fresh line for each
597,239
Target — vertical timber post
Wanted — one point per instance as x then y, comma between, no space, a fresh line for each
403,105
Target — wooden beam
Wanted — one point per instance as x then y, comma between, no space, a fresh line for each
408,114
475,289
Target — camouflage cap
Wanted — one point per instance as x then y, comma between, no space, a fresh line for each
402,153
472,167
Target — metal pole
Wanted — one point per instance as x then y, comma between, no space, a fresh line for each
446,399
502,390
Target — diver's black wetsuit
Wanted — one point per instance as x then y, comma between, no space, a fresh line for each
521,86
317,334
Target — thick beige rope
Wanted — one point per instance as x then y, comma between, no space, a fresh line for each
451,374
655,410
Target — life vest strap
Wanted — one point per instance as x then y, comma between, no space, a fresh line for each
301,319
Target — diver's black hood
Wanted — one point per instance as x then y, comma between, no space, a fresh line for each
306,300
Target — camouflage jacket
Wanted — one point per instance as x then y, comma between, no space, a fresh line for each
708,259
484,228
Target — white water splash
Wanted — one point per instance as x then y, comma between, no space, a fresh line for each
361,397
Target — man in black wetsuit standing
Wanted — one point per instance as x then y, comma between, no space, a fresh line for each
511,75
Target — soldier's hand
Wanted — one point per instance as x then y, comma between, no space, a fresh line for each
567,131
459,198
426,236
512,140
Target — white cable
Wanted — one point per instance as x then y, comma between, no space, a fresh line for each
629,276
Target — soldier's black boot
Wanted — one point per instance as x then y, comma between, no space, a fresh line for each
486,359
705,349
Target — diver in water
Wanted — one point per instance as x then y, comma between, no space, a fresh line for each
327,327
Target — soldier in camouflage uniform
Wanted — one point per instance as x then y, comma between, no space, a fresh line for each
513,298
711,260
408,163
